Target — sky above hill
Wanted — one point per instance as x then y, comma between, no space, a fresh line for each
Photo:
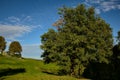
26,20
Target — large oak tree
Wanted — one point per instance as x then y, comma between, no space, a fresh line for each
81,37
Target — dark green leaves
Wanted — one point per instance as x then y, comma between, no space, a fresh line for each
82,38
15,48
2,44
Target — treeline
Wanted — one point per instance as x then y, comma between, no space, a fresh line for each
15,48
82,45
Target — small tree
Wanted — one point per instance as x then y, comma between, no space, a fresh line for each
15,49
2,44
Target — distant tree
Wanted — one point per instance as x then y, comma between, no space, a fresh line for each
15,49
116,58
118,37
81,38
116,49
2,44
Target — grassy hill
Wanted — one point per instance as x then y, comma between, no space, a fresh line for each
28,69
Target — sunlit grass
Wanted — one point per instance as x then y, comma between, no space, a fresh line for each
33,69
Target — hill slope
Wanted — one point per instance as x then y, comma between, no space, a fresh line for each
28,69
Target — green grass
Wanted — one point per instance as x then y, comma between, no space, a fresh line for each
34,70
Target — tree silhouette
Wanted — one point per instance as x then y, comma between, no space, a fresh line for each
116,58
2,44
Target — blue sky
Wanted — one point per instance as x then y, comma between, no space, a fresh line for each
26,20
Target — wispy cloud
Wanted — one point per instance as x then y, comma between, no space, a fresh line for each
13,31
13,19
27,18
93,1
106,6
97,11
18,20
103,5
14,27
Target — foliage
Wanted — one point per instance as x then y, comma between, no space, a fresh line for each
102,71
2,44
15,49
118,37
115,61
81,38
49,40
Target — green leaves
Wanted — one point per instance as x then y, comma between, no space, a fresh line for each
2,44
82,38
15,48
118,37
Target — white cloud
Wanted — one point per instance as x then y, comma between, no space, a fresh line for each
27,18
93,1
32,51
19,20
13,27
118,6
13,19
106,6
13,31
103,5
97,11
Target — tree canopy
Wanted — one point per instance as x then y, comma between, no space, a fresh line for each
81,37
2,44
15,48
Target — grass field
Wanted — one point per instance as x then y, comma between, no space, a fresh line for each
29,69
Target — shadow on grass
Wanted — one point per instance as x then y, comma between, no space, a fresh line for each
2,78
51,73
10,71
57,73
